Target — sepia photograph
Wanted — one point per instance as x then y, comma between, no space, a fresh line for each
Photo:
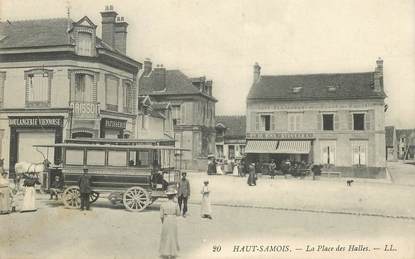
207,129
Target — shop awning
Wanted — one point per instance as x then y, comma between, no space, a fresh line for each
293,147
261,146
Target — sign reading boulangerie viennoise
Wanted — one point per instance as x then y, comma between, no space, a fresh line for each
35,121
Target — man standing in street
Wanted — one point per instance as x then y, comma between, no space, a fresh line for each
85,188
183,193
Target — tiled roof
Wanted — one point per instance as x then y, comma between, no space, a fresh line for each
389,130
316,86
39,33
235,125
34,33
176,82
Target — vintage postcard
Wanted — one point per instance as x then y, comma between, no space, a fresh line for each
207,129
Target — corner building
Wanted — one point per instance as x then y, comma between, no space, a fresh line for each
336,120
59,81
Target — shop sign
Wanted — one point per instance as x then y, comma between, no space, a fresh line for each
85,110
114,124
264,135
35,122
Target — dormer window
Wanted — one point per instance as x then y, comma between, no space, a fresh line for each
297,89
84,44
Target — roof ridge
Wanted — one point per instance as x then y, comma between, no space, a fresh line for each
42,19
317,74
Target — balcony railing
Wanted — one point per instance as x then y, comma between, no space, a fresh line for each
85,110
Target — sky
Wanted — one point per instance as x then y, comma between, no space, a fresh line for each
223,39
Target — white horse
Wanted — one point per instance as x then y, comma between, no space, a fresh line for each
29,168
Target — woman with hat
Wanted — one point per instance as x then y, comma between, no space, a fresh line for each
29,199
206,209
5,195
169,243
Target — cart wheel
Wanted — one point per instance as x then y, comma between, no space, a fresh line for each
135,199
93,197
71,197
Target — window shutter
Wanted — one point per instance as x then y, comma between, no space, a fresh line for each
256,121
275,121
350,121
183,113
336,121
252,121
367,121
319,115
272,119
332,154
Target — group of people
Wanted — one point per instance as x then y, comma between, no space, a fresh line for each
170,210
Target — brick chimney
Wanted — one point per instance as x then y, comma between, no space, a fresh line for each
378,75
148,66
121,35
257,72
159,75
108,25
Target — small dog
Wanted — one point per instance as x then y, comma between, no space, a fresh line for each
349,182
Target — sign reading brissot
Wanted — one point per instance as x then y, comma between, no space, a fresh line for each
279,135
35,121
115,124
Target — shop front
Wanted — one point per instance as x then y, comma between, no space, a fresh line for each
112,128
26,131
265,147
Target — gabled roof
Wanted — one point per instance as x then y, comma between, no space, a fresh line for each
176,83
34,33
389,133
235,125
316,86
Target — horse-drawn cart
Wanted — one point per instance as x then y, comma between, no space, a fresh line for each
134,175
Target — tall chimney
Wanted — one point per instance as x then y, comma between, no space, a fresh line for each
159,75
121,35
378,75
257,72
148,66
108,25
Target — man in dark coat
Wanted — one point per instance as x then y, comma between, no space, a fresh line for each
85,188
183,193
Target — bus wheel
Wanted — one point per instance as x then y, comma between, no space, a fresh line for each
72,197
136,199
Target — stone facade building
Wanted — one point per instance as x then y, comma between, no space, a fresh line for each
406,143
60,81
193,110
336,120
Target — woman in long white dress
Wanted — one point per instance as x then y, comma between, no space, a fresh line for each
29,199
5,195
206,209
169,243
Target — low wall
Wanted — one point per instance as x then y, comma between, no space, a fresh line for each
359,172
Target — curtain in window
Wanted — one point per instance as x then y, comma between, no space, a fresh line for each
84,44
38,88
112,91
83,87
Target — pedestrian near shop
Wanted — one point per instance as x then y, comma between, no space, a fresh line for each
273,169
169,242
85,189
183,194
316,169
5,195
251,175
29,198
206,208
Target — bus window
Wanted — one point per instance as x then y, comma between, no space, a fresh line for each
117,158
140,158
95,157
74,157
